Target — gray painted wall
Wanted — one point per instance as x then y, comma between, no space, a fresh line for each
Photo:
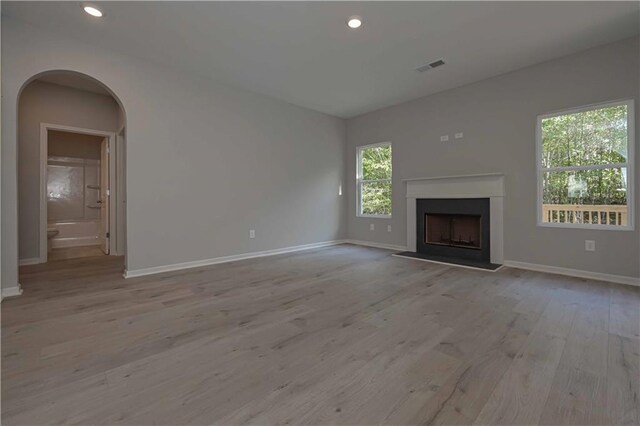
54,104
498,119
205,162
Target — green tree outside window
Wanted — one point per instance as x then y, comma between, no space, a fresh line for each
583,161
374,180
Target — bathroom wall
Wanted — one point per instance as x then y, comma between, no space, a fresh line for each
76,145
72,189
50,103
72,201
73,177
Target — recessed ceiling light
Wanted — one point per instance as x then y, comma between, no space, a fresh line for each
93,11
354,22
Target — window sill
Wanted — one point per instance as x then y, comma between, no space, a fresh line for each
585,226
374,216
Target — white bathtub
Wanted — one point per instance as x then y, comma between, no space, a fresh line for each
75,233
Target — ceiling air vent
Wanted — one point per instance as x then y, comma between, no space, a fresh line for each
430,65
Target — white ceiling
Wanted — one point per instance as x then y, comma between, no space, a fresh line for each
303,53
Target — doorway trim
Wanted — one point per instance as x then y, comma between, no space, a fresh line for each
44,143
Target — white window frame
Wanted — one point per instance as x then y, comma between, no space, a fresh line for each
628,165
360,181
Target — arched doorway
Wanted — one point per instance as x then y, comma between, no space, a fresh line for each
71,151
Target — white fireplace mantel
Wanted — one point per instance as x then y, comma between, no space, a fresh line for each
488,185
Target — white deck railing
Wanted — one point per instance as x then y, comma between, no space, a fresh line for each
582,213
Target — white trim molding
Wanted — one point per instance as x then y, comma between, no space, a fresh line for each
376,245
598,276
237,257
478,175
11,292
225,259
29,261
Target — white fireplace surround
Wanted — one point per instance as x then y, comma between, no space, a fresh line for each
490,185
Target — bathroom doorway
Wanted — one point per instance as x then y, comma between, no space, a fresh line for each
78,191
71,178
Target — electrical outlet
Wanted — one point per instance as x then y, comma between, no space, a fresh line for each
589,245
252,233
444,138
459,135
388,228
372,227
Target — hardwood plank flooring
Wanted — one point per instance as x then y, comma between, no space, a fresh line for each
338,335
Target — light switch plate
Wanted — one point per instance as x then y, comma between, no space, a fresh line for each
459,135
372,227
444,138
252,233
388,228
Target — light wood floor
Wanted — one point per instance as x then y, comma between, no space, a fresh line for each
341,335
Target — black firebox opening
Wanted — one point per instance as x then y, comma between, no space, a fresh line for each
454,228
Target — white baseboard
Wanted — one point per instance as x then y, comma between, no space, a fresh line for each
619,279
29,261
225,259
376,245
11,292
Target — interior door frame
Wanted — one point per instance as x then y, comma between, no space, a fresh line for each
44,143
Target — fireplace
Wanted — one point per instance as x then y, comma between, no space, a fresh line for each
470,199
456,229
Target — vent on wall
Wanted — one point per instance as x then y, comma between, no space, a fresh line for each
431,65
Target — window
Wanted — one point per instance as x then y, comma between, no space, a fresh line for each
585,176
374,180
